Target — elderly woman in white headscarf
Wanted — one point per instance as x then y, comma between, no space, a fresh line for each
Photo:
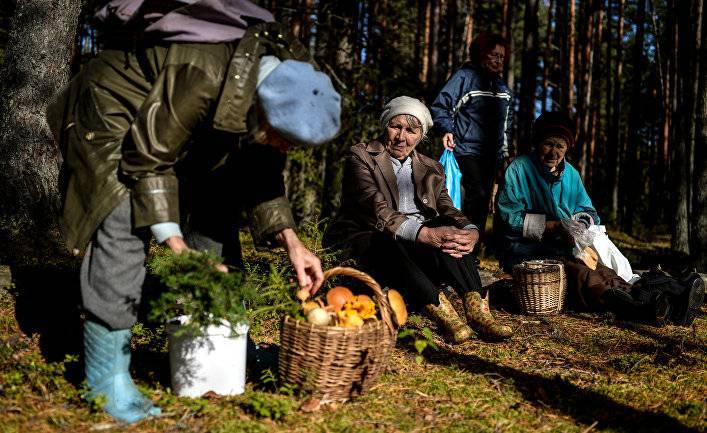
398,220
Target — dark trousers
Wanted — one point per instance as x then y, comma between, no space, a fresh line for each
418,270
478,174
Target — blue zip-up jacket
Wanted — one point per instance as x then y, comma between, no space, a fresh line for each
478,109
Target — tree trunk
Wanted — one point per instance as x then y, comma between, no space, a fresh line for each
632,190
433,78
614,143
37,64
698,234
585,86
684,140
468,30
528,74
547,55
592,129
425,72
508,71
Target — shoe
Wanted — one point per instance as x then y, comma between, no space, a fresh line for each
686,304
108,375
447,318
479,317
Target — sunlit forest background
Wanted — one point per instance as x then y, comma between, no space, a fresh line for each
631,73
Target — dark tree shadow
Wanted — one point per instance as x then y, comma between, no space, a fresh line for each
48,303
583,405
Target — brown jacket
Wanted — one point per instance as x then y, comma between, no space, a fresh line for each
369,200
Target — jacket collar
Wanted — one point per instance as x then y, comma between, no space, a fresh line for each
382,159
549,176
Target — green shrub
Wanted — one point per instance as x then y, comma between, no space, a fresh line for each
195,287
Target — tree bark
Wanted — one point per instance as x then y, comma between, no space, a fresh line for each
37,64
547,55
632,190
685,112
433,77
528,74
698,234
468,30
615,145
508,71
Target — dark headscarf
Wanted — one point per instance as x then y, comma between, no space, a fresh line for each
554,124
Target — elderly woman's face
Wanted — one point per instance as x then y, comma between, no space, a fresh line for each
551,151
402,134
493,60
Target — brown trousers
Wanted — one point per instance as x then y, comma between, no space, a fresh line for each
585,286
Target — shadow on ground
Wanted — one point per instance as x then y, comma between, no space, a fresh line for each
583,405
48,304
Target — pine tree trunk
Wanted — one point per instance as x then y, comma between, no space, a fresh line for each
425,72
468,30
632,190
615,144
433,77
508,71
698,234
547,55
37,64
685,129
528,74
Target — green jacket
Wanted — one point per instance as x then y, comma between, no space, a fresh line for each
127,119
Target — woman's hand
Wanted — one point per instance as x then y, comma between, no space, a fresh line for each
307,266
177,244
555,228
448,141
451,240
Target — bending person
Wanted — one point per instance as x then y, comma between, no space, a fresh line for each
147,113
396,217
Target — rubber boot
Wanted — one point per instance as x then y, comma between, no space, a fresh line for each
447,318
479,317
108,375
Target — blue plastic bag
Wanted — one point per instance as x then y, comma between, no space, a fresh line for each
453,177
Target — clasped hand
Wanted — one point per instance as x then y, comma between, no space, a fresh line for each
451,240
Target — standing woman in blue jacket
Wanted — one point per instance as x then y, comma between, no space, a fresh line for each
473,111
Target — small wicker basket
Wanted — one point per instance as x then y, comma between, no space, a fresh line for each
334,363
540,286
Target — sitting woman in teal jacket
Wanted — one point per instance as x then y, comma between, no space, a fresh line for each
541,191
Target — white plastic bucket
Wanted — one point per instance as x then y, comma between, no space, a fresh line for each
212,361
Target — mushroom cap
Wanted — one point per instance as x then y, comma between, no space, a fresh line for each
397,304
337,296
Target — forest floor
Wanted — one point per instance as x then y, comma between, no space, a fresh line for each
575,372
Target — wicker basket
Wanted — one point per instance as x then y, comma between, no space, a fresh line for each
334,363
540,286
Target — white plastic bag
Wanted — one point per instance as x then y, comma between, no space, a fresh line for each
609,255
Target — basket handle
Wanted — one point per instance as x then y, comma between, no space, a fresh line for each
366,279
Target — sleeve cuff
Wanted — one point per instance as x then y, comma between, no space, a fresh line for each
534,226
269,218
164,231
408,229
155,200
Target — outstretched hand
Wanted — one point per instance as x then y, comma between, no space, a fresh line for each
177,245
307,266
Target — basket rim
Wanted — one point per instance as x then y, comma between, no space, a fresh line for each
303,324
